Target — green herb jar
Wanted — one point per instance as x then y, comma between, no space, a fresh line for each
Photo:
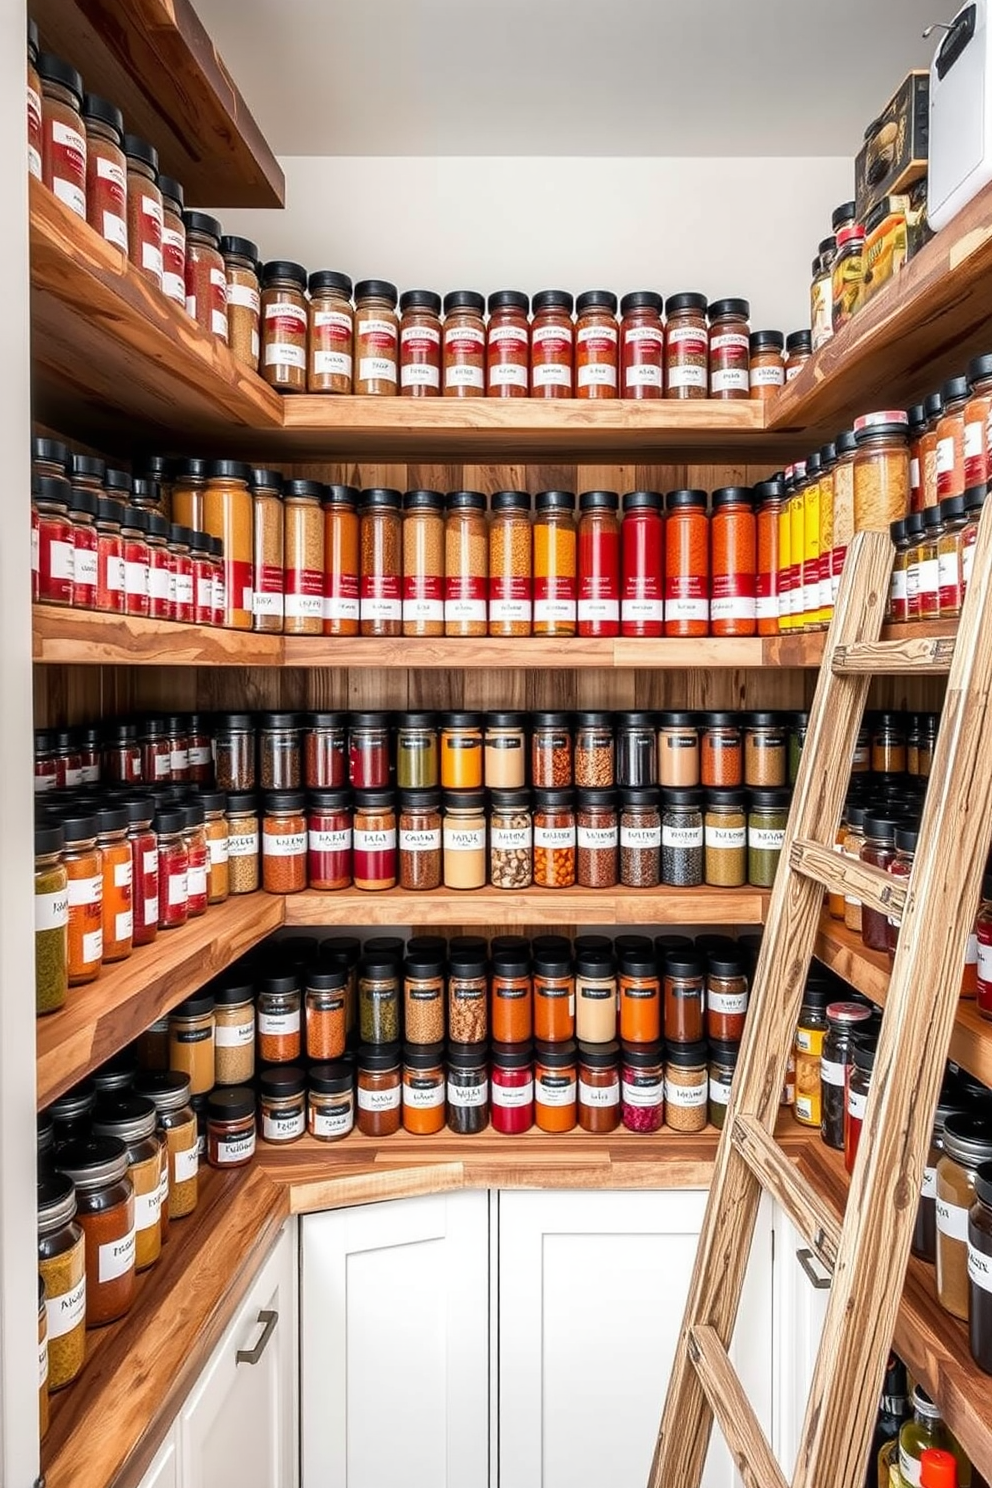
51,920
417,752
766,824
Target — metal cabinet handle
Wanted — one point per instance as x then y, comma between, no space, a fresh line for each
252,1356
806,1258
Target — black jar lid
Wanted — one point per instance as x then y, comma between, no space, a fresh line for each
511,963
464,800
267,480
464,299
554,501
641,299
678,304
763,719
552,299
596,299
56,1201
954,390
78,829
813,464
599,1056
519,945
556,1056
932,405
284,268
93,1161
303,490
828,456
465,501
881,828
681,963
420,299
424,501
509,800
329,800
111,819
547,800
718,719
130,1117
117,731
332,1079
798,341
932,517
967,1137
553,961
980,368
171,190
951,508
281,1081
373,800
686,1056
378,289
864,1049
974,497
544,720
330,279
233,991
506,720
643,500
602,797
284,985
720,309
104,112
348,946
763,799
599,501
275,721
642,1056
232,1103
687,796
336,495
156,525
52,451
237,470
420,800
461,720
815,998
423,1056
897,531
767,341
593,720
195,1007
914,524
325,978
508,299
87,465
423,968
84,501
47,840
638,962
725,797
510,501
639,796
845,442
677,719
726,961
380,496
731,496
466,1056
983,1184
594,957
376,720
328,720
202,222
468,947
180,536
724,1051
52,69
284,801
843,214
512,1056
676,500
136,148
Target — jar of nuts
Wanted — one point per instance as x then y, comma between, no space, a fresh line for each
554,839
510,839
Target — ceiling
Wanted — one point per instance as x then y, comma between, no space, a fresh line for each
568,77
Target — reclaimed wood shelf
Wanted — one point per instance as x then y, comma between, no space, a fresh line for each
154,59
111,356
841,949
100,1018
489,906
87,637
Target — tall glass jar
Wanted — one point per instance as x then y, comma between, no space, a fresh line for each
642,579
420,840
244,857
381,558
466,564
599,564
330,348
597,839
464,840
284,326
597,350
105,1214
729,349
844,1020
420,344
268,551
376,338
681,838
554,839
642,345
511,840
144,209
686,346
417,752
687,564
464,344
243,299
134,1120
881,470
303,558
552,345
63,139
106,170
733,542
640,841
173,241
227,515
950,438
555,564
374,839
423,563
206,280
594,757
878,851
62,1267
508,345
51,918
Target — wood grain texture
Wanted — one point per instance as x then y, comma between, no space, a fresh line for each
157,63
843,875
100,1018
753,1457
918,654
88,638
810,1213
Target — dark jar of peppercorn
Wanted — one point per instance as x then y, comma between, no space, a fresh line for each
599,564
468,1088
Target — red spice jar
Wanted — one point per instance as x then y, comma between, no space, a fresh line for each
329,839
420,344
950,438
464,344
144,209
642,580
642,345
879,851
508,345
733,543
597,348
374,840
63,142
144,868
203,578
769,496
599,564
206,278
729,349
686,347
917,428
82,514
173,241
160,573
687,560
368,751
109,556
106,170
512,1088
34,104
977,416
173,868
330,347
551,345
50,497
180,543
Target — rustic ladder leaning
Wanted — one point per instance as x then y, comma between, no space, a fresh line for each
868,1253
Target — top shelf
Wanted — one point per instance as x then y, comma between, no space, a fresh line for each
154,59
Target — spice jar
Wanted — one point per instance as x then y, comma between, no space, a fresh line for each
599,1087
420,839
510,567
599,564
423,564
284,842
555,1092
888,744
765,750
594,750
466,564
687,560
279,1007
464,344
734,562
512,997
51,920
191,1041
723,1064
967,1144
681,838
342,561
417,751
555,564
134,1120
70,1113
325,754
596,344
53,538
726,997
729,348
551,345
858,1085
325,1011
976,415
329,840
881,470
847,275
949,548
423,1089
376,341
268,551
504,751
173,241
34,104
379,1090
234,1032
282,1103
554,993
640,842
116,870
420,344
230,1127
766,823
807,1053
227,515
642,345
639,998
686,1087
642,1088
423,998
686,346
766,365
879,851
110,557
725,839
554,839
597,839
106,170
374,838
330,1101
464,840
62,1268
331,333
642,573
461,751
206,280
510,842
844,1020
284,326
980,1270
950,438
98,1168
508,345
84,871
512,1081
381,563
304,557
144,209
551,750
468,1088
596,997
768,497
63,141
368,750
720,750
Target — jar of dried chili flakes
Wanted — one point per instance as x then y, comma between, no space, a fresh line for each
729,349
551,345
734,563
420,344
464,344
106,170
686,346
642,345
596,344
508,345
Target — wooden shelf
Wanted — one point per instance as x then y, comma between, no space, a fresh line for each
100,1018
113,357
489,906
840,949
86,637
155,61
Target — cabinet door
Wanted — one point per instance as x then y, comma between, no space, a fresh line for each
164,1471
395,1344
591,1292
239,1428
801,1295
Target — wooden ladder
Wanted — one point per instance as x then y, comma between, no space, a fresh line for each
867,1254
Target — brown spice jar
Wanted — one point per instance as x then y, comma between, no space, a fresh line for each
508,345
244,301
466,564
284,326
303,558
105,1214
464,345
173,244
267,548
330,359
144,209
227,514
63,141
420,840
423,563
206,281
381,563
767,366
420,344
686,347
881,470
597,348
341,561
106,171
376,338
551,345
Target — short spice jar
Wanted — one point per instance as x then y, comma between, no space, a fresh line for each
374,840
723,1064
681,838
598,606
134,1120
379,1090
505,751
468,1088
765,750
423,1089
325,1011
767,366
110,557
954,395
51,920
464,341
686,346
144,209
173,241
230,1127
330,355
555,1086
206,280
552,345
597,345
325,755
687,564
597,839
721,762
464,840
106,170
376,339
551,750
881,470
284,326
508,345
461,751
595,997
511,990
686,1087
284,842
330,1101
640,840
98,1169
420,840
555,564
639,997
594,756
342,561
466,564
117,870
420,344
729,349
642,1087
642,345
807,1054
191,1041
62,1268
279,1008
510,841
511,578
234,1032
599,1087
967,1145
423,998
976,419
381,572
423,564
767,819
512,1088
554,839
63,140
282,1105
554,993
169,1092
725,839
368,750
329,863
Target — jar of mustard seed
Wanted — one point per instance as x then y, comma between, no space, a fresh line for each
464,345
63,138
686,346
330,357
228,516
376,339
511,579
144,209
244,299
62,1267
508,345
597,349
552,345
766,761
173,241
555,564
282,1105
729,349
303,558
284,326
642,345
206,280
106,170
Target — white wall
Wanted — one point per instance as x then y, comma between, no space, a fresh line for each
745,227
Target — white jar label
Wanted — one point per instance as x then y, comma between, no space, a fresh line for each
512,1097
235,1035
554,837
123,925
243,845
379,1100
462,839
928,1188
550,374
599,609
219,854
147,1209
945,455
555,1091
767,837
773,376
726,837
729,379
280,354
84,566
425,1097
116,1258
284,1128
597,374
510,839
644,1096
644,375
980,1269
279,1024
376,369
682,836
178,888
235,1149
466,1096
685,1095
728,1003
719,1093
640,837
332,1123
952,1220
599,1095
372,842
634,610
339,841
245,295
186,1164
507,374
283,844
332,363
832,1073
857,1103
601,838
85,891
464,376
679,608
340,607
66,1312
51,911
196,881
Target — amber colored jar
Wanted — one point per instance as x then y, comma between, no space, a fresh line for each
423,563
977,413
766,364
106,170
420,344
555,1093
464,342
173,241
798,350
267,547
379,1090
686,347
729,349
244,299
133,1120
597,344
511,577
341,561
187,493
330,355
206,280
932,409
284,326
144,209
227,515
599,1087
687,564
881,470
63,140
642,345
552,345
83,864
950,438
733,541
381,545
303,558
768,497
555,564
508,345
34,104
376,340
105,1214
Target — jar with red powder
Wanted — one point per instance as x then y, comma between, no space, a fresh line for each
642,345
160,571
508,345
173,870
109,556
599,564
106,170
137,585
687,564
464,344
642,1087
50,502
144,209
597,349
642,577
686,346
552,344
173,241
730,349
368,751
82,514
329,839
63,141
512,1088
420,344
374,840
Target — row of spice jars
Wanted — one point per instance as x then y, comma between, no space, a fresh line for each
950,448
934,552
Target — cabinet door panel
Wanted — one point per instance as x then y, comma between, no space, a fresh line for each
395,1344
800,1308
164,1471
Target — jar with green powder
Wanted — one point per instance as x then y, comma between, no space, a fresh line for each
416,752
51,920
766,824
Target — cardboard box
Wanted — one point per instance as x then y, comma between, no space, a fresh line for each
895,152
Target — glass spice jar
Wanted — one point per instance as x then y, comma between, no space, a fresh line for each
187,492
555,1086
554,993
374,838
881,470
554,839
510,841
552,345
282,1106
417,751
879,851
512,1088
798,350
723,1064
143,846
687,564
768,498
230,1116
766,823
681,838
678,749
725,839
636,751
329,842
381,558
34,104
284,842
284,315
847,280
950,586
594,757
325,755
303,578
765,750
505,751
325,1011
461,751
144,209
976,418
423,564
180,546
106,170
980,1269
420,840
597,350
721,761
84,871
330,353
468,1088
161,574
729,348
807,1054
368,750
551,750
511,583
420,344
423,1089
464,344
508,345
330,1101
173,241
642,1087
555,564
191,1041
423,998
686,1087
640,840
133,1120
116,868
379,1090
512,996
109,557
62,1269
597,839
888,744
85,560
279,1023
376,338
464,840
53,536
279,752
227,515
595,996
599,1087
268,550
686,346
98,1168
51,920
240,257
234,1032
639,997
63,139
598,606
466,564
954,395
766,364
642,345
726,997
858,1085
206,280
342,561
967,1145
844,1020
642,580
734,562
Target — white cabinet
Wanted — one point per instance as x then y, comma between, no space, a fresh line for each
801,1295
591,1292
394,1302
238,1428
164,1471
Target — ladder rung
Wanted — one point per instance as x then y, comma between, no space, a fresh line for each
779,1177
843,875
890,658
753,1457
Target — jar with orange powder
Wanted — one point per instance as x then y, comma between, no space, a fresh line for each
768,499
596,344
341,560
733,540
950,438
977,415
83,864
555,564
687,564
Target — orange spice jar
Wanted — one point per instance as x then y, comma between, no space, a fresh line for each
687,564
555,1094
733,564
83,864
423,1089
766,365
279,1020
508,345
639,989
555,564
284,843
721,759
932,409
977,417
768,496
551,345
512,1013
464,345
950,438
341,560
596,344
554,998
116,868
